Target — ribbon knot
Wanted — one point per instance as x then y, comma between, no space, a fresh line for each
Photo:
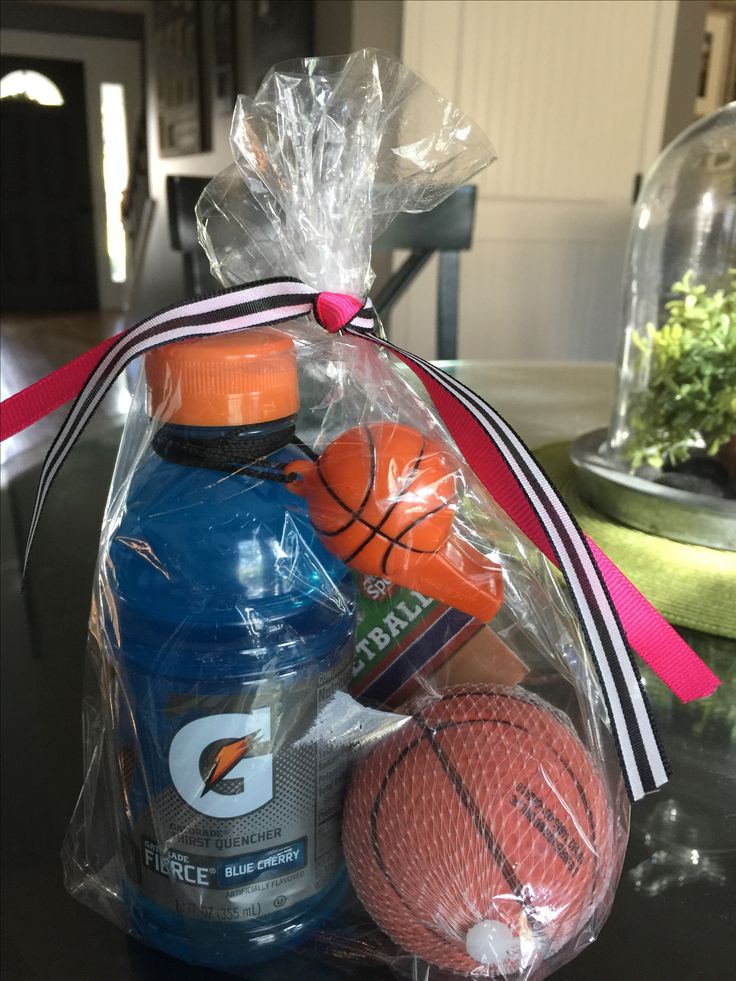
334,311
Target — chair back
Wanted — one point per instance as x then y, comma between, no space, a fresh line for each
182,194
447,230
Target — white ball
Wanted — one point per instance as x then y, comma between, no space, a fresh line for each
491,942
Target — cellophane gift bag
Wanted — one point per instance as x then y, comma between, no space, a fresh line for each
340,711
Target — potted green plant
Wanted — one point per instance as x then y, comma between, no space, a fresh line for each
683,423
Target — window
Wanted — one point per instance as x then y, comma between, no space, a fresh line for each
32,87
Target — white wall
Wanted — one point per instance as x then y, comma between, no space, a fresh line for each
574,95
104,60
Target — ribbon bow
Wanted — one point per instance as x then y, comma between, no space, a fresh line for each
614,617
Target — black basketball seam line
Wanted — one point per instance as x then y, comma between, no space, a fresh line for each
354,515
378,858
377,803
463,792
591,824
335,497
396,542
382,534
374,833
452,724
376,529
379,796
447,725
395,764
417,521
583,797
465,692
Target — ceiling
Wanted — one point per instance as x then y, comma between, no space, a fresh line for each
122,6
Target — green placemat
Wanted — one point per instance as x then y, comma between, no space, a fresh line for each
691,586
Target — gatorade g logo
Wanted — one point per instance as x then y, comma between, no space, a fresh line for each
218,766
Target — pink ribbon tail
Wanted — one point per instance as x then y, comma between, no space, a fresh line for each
654,640
21,410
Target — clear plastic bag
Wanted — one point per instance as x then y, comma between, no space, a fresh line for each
339,706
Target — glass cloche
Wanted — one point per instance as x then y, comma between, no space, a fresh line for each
677,374
674,418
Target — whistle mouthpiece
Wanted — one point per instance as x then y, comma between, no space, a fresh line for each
458,576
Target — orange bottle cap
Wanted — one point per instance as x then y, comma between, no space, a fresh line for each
228,380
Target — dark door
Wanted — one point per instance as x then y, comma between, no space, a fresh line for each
48,257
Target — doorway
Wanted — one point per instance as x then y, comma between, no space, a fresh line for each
48,248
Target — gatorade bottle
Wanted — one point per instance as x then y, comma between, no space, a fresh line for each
228,626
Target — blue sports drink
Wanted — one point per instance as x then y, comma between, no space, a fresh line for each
229,626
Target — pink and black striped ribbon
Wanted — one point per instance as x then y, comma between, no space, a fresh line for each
493,450
267,302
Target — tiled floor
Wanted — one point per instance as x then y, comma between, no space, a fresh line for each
31,346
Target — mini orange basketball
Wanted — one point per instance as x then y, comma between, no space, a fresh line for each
478,835
383,498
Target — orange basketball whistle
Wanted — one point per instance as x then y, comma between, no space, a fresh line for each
383,498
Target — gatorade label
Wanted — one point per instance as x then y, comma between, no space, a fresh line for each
249,823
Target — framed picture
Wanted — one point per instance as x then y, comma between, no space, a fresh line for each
178,67
223,57
716,61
